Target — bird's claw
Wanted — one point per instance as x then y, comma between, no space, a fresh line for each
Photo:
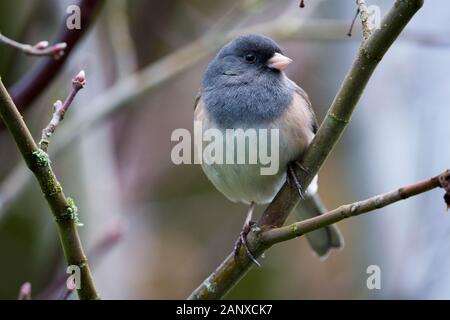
242,240
301,167
293,180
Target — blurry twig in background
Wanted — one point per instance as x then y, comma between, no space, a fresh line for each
121,40
36,81
60,110
298,229
41,48
25,292
234,267
12,187
63,209
57,288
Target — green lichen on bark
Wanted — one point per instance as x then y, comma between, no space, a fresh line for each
42,158
71,213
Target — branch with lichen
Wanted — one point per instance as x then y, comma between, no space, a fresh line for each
371,52
64,209
271,237
60,109
42,48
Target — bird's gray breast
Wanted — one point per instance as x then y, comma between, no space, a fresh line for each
231,101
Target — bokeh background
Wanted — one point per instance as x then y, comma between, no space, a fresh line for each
154,230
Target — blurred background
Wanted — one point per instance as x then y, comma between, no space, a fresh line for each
154,230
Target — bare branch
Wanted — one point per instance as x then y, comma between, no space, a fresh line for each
298,229
41,48
60,109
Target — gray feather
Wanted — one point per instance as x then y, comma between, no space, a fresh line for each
322,241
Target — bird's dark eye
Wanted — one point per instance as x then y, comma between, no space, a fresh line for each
250,58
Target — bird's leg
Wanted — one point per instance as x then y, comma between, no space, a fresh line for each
292,178
242,240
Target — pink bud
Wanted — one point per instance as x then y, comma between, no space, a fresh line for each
41,45
60,46
80,79
58,49
25,291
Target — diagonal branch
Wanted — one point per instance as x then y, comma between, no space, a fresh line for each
60,110
233,268
271,237
63,208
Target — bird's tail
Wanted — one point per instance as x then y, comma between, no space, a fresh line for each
321,240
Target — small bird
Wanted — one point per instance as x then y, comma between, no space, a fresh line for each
244,87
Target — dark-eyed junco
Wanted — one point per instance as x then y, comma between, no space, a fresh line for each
244,87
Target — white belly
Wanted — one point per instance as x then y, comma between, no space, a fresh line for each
244,182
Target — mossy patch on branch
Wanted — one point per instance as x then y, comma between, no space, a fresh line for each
42,158
71,213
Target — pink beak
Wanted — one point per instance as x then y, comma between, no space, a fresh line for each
278,61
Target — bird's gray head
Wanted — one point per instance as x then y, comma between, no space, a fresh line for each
244,83
245,58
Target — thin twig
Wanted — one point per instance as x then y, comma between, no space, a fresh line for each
364,14
60,110
121,38
42,48
63,208
234,267
298,229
